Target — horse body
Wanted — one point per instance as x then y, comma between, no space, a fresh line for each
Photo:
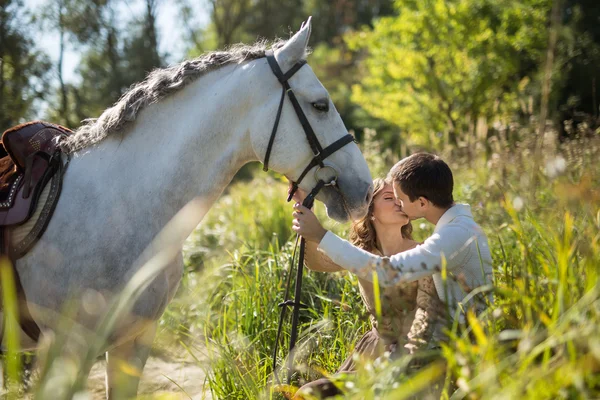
119,194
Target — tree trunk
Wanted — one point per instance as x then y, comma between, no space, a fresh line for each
150,29
547,77
64,109
546,87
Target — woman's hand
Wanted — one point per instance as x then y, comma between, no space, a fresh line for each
299,195
306,224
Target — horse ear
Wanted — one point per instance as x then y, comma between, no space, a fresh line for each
295,48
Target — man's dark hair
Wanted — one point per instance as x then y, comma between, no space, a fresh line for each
424,175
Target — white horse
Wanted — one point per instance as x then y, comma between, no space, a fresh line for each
177,136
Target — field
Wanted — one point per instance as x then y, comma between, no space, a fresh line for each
540,339
505,91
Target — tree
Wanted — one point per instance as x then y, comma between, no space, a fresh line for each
227,17
112,60
334,18
77,22
140,54
102,76
23,69
270,19
247,20
577,94
440,66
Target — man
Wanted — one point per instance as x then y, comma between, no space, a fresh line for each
458,248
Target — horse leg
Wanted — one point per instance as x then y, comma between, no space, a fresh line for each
125,364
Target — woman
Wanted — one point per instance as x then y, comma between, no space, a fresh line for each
411,313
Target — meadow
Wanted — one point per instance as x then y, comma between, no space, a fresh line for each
468,78
540,339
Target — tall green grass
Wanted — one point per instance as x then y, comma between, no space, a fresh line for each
243,289
12,359
540,339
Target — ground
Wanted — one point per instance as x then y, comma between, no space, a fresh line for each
174,378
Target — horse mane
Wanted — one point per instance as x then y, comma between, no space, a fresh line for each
157,85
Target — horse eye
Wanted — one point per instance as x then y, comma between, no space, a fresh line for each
322,106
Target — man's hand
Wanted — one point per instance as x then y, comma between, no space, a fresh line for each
306,224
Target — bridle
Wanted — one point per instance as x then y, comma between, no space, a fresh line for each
320,154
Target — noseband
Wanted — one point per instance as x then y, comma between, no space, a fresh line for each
320,154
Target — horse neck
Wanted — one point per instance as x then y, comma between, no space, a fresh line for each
187,145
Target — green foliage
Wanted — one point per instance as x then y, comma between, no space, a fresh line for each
23,69
427,73
102,77
242,322
338,68
332,18
245,21
439,66
434,70
538,341
10,327
76,23
577,93
140,49
113,60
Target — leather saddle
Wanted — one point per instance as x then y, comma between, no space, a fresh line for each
31,172
33,157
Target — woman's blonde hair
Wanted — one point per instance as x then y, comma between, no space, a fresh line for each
362,232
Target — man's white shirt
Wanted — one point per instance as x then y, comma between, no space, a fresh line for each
457,245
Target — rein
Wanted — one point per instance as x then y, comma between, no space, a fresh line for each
295,303
320,154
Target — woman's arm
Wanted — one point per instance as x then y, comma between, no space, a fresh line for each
450,245
317,261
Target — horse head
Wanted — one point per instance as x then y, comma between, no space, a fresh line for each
291,151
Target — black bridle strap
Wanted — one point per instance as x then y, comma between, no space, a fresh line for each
296,309
320,155
295,303
329,150
283,79
273,132
310,134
